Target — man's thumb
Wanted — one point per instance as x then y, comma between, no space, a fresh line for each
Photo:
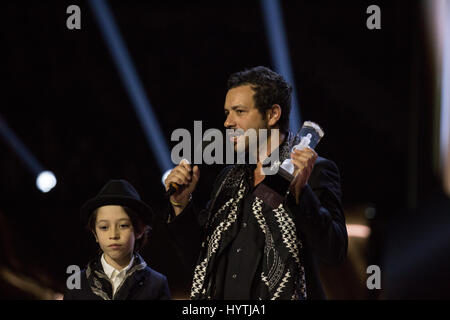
196,172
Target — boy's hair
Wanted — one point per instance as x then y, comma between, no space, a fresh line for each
270,88
138,226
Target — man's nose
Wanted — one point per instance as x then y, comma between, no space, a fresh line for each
229,122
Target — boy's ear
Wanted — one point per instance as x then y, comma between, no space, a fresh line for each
95,235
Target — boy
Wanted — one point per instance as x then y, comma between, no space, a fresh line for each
120,221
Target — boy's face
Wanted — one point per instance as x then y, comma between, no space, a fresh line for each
115,234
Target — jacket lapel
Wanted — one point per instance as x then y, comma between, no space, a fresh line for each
133,277
98,280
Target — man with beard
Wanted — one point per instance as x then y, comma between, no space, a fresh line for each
239,246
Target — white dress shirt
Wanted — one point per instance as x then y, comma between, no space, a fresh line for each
116,276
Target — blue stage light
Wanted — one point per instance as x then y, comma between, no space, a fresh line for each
445,100
45,180
131,81
280,53
164,176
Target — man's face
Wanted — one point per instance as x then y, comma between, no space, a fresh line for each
115,234
241,113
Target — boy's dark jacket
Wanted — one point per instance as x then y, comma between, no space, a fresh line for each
141,283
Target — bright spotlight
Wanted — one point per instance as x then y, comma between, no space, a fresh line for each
45,181
164,176
358,230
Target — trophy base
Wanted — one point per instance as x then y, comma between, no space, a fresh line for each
272,190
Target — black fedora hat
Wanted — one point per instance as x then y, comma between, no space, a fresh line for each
117,192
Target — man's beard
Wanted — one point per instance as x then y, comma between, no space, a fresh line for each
249,149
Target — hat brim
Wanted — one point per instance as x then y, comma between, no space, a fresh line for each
144,210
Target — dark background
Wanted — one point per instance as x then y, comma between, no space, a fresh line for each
63,97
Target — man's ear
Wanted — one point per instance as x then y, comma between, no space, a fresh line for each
274,115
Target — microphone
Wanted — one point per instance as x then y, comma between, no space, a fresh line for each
173,187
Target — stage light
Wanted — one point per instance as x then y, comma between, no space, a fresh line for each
164,176
358,230
445,101
46,181
438,23
128,74
280,54
370,213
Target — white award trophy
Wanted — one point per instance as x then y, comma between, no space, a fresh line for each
310,135
275,186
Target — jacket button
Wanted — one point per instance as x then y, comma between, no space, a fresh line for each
141,283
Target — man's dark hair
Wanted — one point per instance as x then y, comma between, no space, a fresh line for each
270,88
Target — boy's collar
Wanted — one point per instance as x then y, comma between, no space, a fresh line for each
109,269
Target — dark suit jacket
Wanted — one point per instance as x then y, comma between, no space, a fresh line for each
145,284
319,220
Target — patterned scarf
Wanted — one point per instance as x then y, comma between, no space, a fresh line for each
282,275
100,283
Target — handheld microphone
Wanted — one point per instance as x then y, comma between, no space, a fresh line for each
173,187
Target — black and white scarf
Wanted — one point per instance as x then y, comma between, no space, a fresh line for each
101,285
283,275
